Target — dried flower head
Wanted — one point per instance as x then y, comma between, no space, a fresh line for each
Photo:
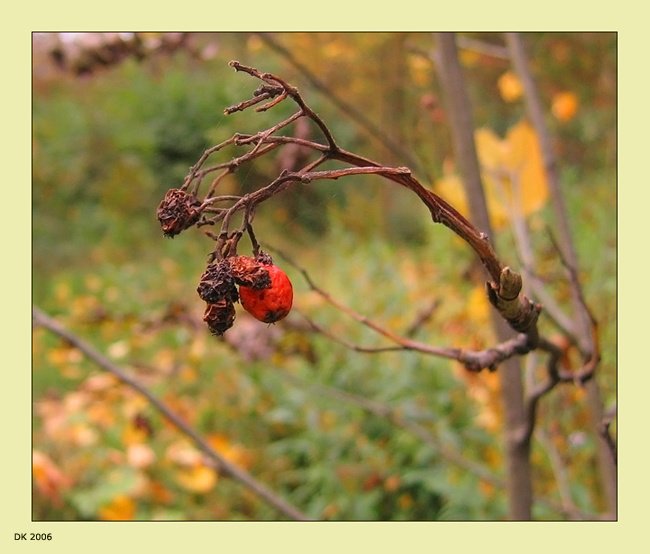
178,211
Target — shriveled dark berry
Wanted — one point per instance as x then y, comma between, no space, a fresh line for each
217,282
219,316
178,211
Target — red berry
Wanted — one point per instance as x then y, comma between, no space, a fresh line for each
272,303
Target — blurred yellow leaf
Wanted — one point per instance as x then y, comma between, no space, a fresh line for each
510,87
405,501
234,453
469,58
83,435
335,49
93,283
62,293
189,374
199,478
420,69
527,187
122,508
133,434
82,305
197,348
100,382
451,188
183,454
512,171
64,355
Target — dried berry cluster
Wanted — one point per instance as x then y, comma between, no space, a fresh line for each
256,277
264,289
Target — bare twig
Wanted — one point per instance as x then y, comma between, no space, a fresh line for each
238,474
472,360
483,47
503,292
350,111
559,470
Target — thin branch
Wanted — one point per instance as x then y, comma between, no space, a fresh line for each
579,298
238,474
559,470
504,292
474,361
350,111
482,47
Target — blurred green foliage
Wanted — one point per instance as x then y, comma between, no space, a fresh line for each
108,146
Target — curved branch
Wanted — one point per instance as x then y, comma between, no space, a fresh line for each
350,111
474,361
504,292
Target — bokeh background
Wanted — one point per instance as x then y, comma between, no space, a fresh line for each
342,434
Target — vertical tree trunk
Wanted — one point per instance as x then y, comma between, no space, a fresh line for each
512,392
606,466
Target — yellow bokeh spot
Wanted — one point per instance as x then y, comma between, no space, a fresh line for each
62,293
565,106
254,43
510,87
234,453
420,69
405,501
200,479
469,58
93,283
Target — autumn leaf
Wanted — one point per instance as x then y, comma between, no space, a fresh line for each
49,480
192,474
234,453
199,478
122,508
513,175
